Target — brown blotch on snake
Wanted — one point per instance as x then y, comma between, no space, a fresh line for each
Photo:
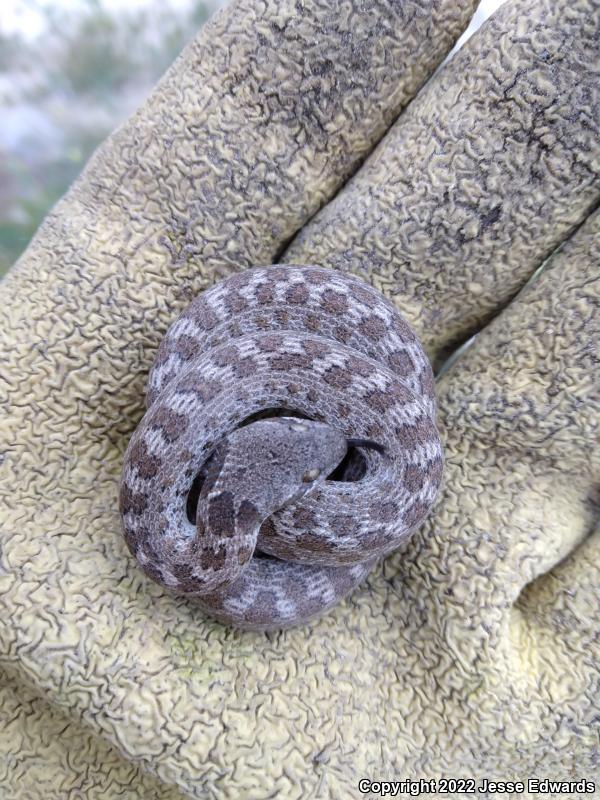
271,520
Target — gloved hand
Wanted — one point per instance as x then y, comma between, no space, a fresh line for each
471,652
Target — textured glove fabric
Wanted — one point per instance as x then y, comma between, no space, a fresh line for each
46,752
487,171
471,650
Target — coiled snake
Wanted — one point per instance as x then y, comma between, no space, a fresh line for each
289,443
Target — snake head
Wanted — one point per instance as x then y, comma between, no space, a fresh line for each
282,458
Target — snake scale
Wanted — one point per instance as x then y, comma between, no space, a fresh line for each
289,443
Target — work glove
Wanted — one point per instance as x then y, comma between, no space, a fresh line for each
472,651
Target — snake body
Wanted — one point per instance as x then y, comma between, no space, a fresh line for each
301,407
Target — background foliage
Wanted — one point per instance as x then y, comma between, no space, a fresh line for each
65,87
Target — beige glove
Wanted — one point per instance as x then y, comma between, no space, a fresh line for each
473,651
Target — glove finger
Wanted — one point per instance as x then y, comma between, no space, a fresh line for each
528,391
530,381
483,175
520,412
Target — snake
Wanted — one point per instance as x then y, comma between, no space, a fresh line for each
289,443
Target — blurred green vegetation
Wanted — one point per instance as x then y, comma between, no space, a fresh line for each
64,90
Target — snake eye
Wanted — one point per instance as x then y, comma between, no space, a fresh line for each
311,475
